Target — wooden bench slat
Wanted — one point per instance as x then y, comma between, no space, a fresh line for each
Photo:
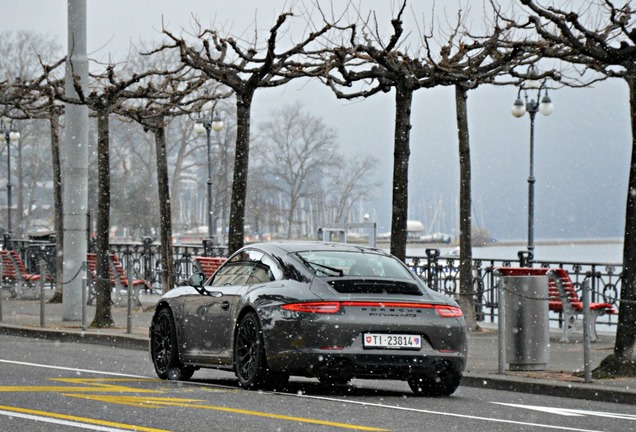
14,272
117,276
208,265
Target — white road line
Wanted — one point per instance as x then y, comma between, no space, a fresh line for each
84,426
571,412
346,401
447,414
70,369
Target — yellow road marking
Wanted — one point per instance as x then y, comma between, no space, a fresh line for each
136,401
147,402
80,419
94,385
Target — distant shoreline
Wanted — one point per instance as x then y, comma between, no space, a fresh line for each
555,242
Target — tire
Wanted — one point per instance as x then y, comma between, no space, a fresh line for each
164,350
443,383
250,362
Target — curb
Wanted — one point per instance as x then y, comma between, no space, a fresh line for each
587,391
128,341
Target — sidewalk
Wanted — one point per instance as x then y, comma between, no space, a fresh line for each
23,318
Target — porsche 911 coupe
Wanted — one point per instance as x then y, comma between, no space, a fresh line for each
326,310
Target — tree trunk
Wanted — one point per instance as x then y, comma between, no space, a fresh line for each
626,330
241,160
165,229
466,292
103,317
57,197
18,224
401,154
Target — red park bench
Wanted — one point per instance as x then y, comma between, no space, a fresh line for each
563,299
208,265
118,279
15,276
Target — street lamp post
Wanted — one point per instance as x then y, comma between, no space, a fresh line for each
8,135
532,106
208,123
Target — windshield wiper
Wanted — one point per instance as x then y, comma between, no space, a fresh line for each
313,266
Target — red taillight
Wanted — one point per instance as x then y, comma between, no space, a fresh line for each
334,307
448,311
313,307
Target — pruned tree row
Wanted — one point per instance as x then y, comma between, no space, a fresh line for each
356,57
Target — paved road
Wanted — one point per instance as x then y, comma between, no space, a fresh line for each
49,385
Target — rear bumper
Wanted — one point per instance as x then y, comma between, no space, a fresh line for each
384,364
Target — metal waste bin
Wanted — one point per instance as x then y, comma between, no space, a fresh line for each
527,332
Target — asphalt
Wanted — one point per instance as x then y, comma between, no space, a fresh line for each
560,377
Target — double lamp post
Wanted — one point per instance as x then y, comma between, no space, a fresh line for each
208,121
532,106
8,135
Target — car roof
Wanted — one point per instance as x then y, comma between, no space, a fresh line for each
300,246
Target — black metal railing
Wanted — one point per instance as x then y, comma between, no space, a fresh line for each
440,273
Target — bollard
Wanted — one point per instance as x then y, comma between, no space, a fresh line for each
501,324
587,332
42,266
129,296
84,288
1,289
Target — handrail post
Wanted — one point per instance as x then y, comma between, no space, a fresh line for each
501,301
587,338
129,296
84,294
1,288
42,265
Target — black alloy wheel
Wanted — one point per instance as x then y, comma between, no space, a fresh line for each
443,382
164,350
249,357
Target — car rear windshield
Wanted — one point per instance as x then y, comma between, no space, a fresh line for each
375,286
354,264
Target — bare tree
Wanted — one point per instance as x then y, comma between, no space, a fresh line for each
243,70
175,91
296,148
109,92
349,182
600,37
464,61
26,94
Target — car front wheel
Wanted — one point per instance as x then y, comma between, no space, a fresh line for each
164,350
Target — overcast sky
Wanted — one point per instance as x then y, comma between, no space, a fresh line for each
581,151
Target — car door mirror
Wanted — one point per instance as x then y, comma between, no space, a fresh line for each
196,280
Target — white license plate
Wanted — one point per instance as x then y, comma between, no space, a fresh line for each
396,341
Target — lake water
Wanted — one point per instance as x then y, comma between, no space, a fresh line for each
596,251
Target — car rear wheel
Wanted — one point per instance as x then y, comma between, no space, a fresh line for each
164,350
443,382
250,361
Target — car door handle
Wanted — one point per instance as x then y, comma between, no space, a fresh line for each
225,305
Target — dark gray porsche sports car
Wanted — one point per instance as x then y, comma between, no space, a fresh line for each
325,310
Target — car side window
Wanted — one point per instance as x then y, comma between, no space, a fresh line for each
233,273
260,274
247,268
